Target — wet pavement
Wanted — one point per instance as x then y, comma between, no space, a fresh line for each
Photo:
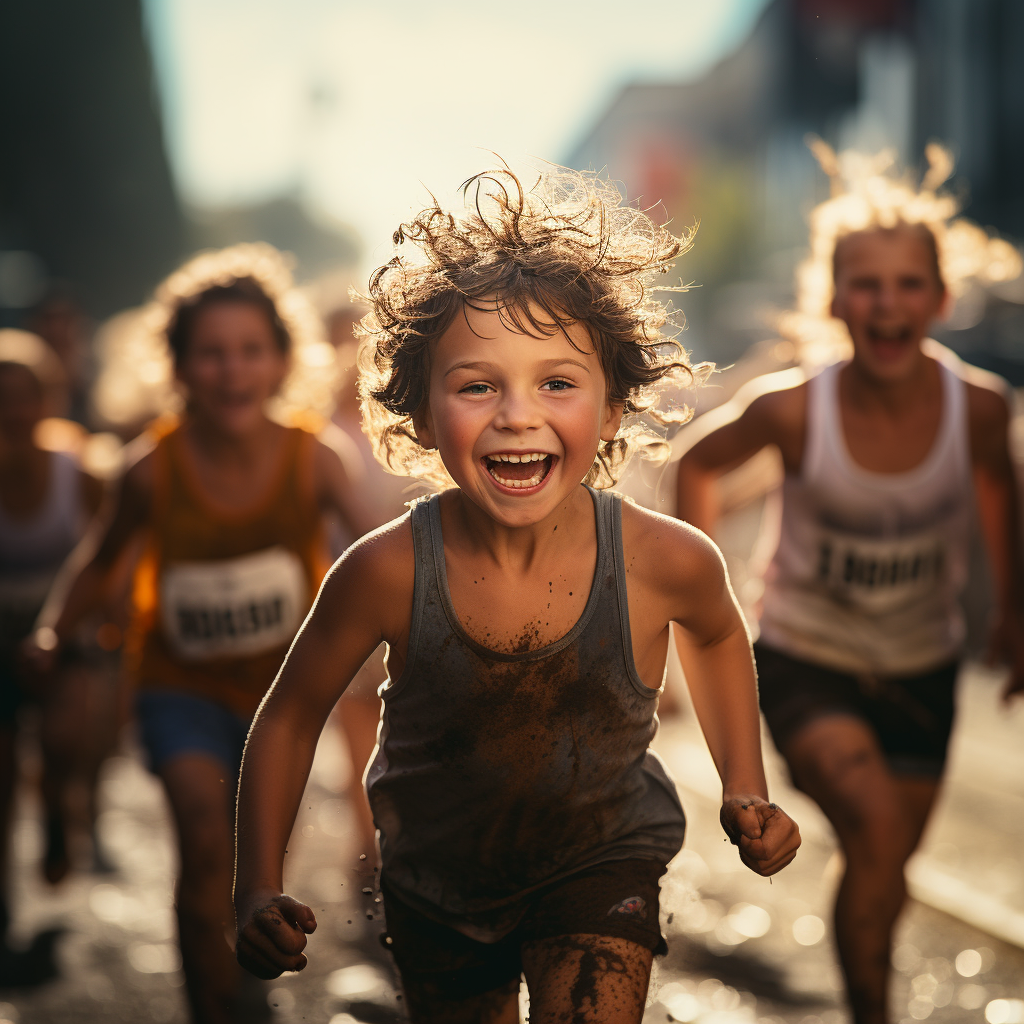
741,949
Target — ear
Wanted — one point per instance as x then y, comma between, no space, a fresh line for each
423,424
612,420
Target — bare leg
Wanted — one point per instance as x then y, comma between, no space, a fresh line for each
201,793
501,1006
576,979
78,731
8,775
878,818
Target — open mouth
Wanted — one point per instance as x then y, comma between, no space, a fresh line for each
519,470
888,334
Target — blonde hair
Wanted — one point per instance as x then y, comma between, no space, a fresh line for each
29,351
136,381
868,193
566,250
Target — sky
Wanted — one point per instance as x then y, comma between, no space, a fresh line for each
358,108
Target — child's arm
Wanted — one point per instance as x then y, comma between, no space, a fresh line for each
81,584
340,480
767,410
362,601
995,486
688,573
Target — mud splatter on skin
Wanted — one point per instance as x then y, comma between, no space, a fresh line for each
427,1004
585,979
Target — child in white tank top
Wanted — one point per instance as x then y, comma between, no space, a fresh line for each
885,455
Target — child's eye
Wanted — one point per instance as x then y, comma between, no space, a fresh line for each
558,385
474,389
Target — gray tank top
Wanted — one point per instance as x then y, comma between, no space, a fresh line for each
497,773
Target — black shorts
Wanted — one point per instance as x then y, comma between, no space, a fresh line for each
912,716
618,899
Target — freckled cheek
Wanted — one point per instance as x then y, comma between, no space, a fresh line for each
458,430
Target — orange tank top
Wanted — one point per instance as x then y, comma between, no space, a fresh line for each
219,596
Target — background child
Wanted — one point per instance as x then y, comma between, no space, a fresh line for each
46,503
231,502
885,454
523,822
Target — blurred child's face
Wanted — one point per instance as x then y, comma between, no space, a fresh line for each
22,404
888,294
231,365
517,419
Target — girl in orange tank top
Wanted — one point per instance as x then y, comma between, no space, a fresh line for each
231,504
219,594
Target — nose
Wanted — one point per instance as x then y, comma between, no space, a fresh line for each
518,411
887,296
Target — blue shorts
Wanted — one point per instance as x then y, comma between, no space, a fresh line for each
173,722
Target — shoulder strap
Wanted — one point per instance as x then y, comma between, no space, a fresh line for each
823,423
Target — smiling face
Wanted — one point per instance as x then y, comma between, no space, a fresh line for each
231,365
888,293
516,419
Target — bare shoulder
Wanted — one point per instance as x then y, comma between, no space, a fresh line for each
988,419
988,404
784,407
334,449
139,476
377,572
666,555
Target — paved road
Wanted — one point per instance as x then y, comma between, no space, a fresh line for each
741,949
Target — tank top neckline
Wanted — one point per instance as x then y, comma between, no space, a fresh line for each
441,571
834,436
191,483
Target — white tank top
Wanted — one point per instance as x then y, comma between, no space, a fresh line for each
31,551
869,569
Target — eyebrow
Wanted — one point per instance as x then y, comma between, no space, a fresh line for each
549,363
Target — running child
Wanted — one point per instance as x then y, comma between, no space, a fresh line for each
231,503
523,821
886,453
46,503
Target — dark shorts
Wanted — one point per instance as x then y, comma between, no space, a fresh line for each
618,899
172,722
912,716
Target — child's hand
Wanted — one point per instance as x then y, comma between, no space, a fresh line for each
272,930
766,835
38,652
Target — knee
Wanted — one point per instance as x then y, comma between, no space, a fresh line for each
875,834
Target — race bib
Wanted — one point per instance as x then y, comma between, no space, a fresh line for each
880,576
233,608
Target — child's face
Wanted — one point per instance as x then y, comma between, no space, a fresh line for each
888,294
496,394
231,365
22,404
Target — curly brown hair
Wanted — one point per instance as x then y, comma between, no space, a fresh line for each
565,251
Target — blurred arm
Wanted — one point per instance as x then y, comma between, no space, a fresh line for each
80,586
769,410
997,494
341,477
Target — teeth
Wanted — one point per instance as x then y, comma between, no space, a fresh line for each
531,482
521,457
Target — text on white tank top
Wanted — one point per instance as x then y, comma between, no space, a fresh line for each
870,566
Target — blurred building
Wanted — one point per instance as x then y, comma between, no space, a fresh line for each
89,214
85,190
729,147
